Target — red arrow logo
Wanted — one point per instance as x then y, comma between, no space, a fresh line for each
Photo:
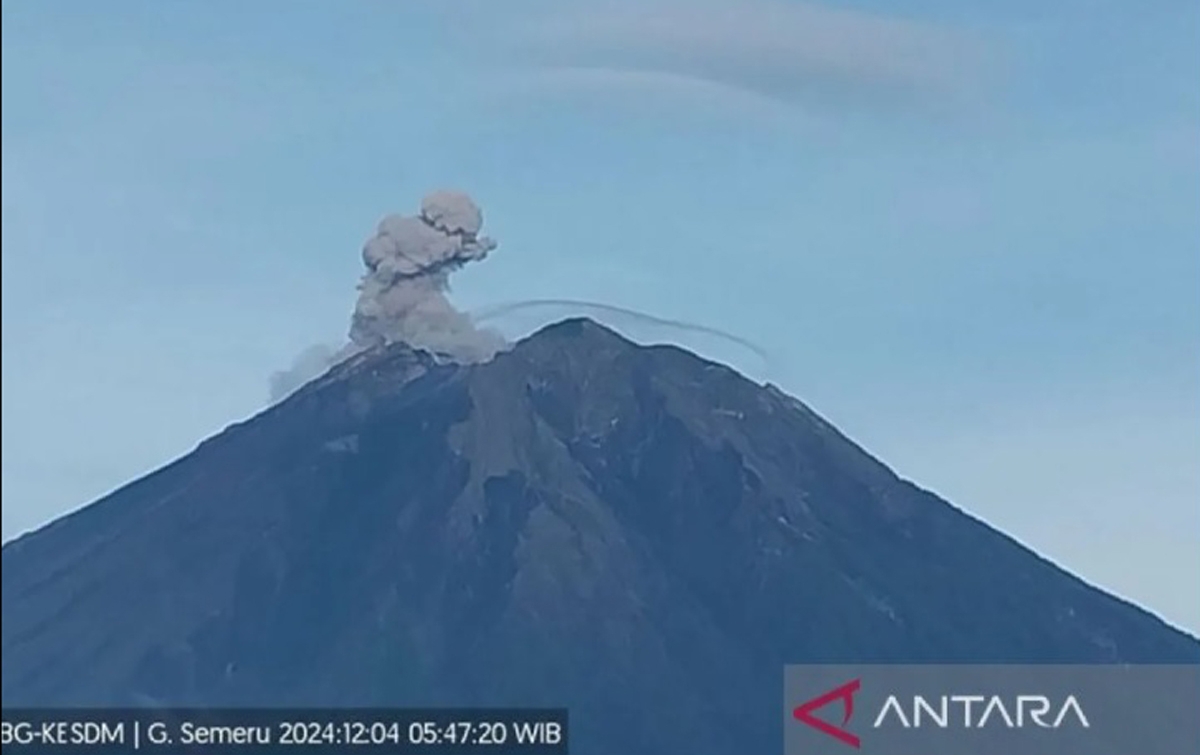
845,693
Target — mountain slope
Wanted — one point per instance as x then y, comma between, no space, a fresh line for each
634,532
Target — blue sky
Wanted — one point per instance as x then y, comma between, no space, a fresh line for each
967,233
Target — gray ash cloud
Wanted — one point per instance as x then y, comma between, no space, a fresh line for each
402,296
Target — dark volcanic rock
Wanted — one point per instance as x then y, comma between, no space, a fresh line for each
633,532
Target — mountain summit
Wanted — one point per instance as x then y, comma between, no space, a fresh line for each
633,532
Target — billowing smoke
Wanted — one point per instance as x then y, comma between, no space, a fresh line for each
402,294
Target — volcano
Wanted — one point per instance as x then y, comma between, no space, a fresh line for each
629,531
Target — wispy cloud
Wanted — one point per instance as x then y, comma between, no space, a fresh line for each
662,90
791,52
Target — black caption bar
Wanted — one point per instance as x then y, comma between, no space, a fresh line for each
260,731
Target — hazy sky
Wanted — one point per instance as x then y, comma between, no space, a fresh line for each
967,232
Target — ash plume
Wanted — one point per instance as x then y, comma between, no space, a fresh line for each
409,260
402,295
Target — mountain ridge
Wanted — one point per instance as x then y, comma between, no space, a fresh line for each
630,530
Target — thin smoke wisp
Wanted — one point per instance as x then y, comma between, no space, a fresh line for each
632,320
